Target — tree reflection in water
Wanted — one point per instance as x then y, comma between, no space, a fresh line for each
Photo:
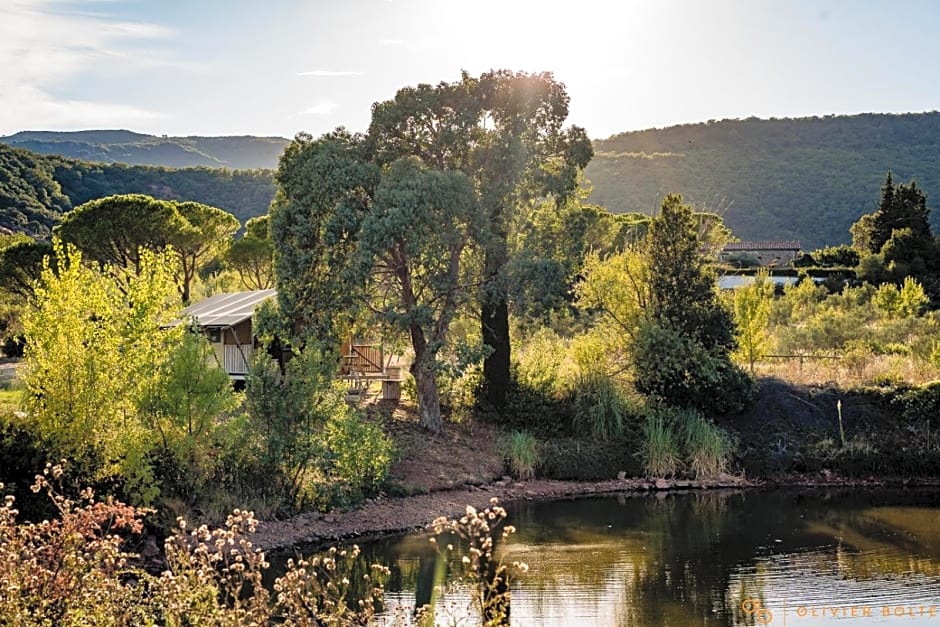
689,559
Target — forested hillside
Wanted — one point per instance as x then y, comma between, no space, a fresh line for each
119,146
35,189
807,179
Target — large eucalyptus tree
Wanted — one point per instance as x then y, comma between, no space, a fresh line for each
505,131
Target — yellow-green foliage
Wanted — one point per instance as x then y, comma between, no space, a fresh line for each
359,452
92,352
849,335
113,385
540,361
10,400
617,286
751,308
907,301
183,405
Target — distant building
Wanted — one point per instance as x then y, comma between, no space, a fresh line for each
226,320
768,253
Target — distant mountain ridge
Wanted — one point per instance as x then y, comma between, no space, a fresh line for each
805,179
794,178
122,146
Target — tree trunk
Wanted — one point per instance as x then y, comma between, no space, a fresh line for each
494,319
429,401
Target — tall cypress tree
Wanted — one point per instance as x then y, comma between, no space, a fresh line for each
682,279
901,207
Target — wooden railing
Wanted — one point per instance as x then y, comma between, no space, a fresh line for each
237,358
364,359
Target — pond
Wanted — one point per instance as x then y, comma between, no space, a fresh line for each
783,557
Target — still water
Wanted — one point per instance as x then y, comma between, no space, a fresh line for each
795,558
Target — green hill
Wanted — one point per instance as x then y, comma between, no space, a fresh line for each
36,189
120,146
807,179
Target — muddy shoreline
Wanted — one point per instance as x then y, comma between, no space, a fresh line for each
385,516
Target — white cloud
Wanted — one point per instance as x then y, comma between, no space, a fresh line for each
321,108
327,73
29,109
44,46
391,42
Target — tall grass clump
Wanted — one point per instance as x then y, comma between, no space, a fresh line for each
599,407
660,446
708,447
521,450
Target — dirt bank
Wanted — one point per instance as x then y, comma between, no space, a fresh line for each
392,515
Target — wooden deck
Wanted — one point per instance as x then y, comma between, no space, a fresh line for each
364,364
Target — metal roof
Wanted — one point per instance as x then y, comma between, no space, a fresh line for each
226,310
765,245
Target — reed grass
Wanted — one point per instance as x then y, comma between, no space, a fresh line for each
660,450
521,450
708,447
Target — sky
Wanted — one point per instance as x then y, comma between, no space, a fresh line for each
279,67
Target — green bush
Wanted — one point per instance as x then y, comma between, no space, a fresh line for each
358,454
675,367
540,361
543,414
303,437
521,450
844,256
567,458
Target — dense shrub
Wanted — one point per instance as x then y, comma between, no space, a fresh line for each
844,256
312,445
544,414
678,368
589,460
358,454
